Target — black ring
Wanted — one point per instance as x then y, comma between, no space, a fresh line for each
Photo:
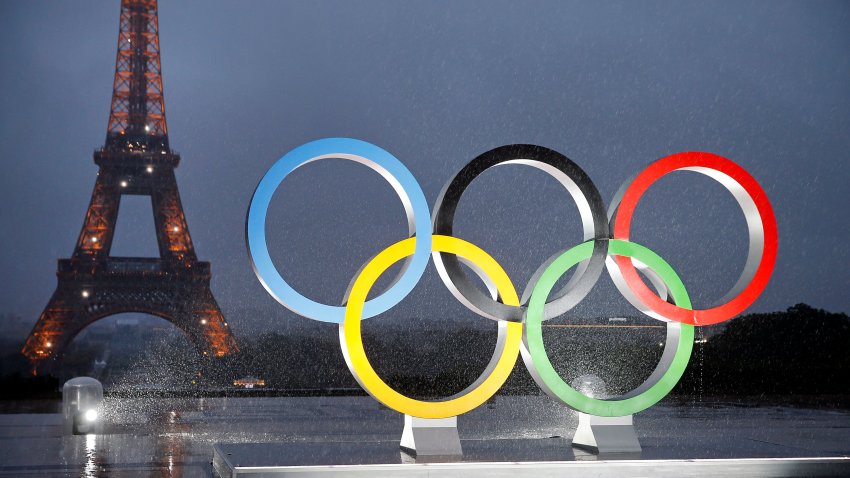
591,208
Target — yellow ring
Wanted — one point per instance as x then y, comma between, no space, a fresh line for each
352,340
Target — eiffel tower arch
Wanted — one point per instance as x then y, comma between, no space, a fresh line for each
135,160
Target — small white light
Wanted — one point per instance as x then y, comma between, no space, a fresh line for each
94,239
49,344
150,169
176,229
90,415
147,128
85,293
123,184
203,321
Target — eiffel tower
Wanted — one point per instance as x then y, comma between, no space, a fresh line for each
135,160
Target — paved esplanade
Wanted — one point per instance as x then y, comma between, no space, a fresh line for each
175,437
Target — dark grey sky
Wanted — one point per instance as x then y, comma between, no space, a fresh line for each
612,86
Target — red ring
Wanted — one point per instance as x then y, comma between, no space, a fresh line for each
765,268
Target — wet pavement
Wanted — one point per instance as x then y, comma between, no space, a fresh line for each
175,437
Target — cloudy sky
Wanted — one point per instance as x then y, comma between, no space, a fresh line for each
613,86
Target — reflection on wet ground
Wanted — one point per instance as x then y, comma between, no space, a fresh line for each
174,437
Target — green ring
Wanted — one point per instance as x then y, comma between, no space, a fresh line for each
533,334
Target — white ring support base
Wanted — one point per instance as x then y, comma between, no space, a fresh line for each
606,434
427,436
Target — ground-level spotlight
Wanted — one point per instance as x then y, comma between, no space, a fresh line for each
81,402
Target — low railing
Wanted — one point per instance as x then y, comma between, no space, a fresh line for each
132,265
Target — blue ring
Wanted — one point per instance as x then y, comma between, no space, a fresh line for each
393,169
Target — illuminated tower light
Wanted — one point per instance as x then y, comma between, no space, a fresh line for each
176,229
123,184
203,321
149,169
85,293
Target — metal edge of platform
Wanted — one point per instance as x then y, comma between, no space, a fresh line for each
743,467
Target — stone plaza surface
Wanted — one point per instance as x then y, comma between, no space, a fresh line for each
176,437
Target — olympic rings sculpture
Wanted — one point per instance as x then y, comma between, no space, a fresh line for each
606,246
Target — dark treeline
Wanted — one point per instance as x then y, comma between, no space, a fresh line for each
801,351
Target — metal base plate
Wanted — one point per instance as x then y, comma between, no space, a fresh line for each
491,458
606,434
433,437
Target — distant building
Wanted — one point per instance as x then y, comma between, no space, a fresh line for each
249,382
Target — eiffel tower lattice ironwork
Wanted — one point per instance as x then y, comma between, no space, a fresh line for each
136,160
